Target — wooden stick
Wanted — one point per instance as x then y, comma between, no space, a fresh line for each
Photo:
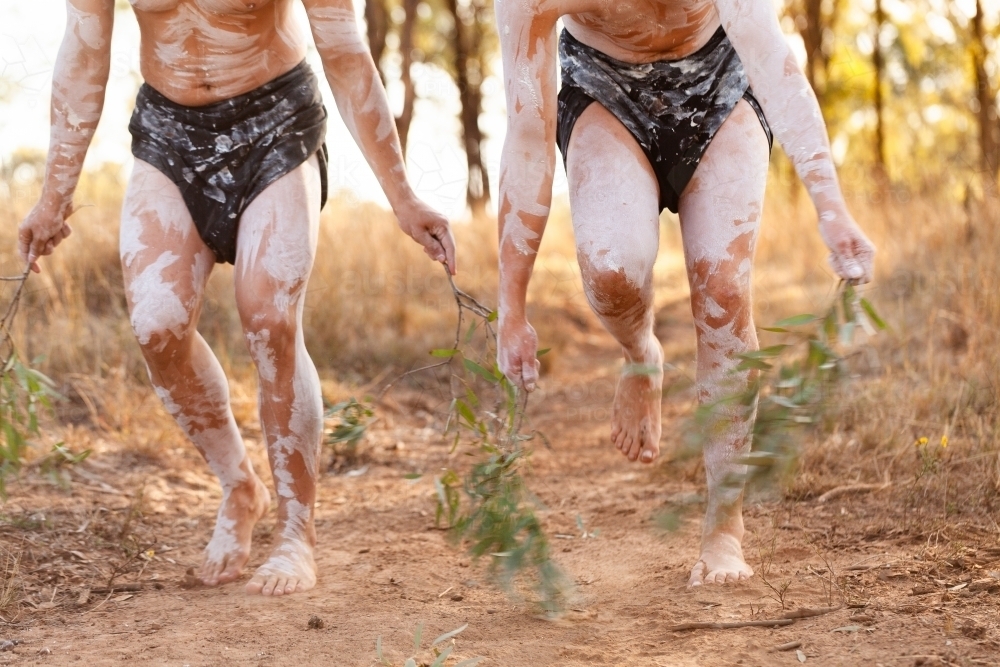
809,613
122,588
727,626
851,488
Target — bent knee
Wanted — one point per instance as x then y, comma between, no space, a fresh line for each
158,323
613,293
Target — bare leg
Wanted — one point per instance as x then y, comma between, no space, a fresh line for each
166,266
614,198
274,257
720,217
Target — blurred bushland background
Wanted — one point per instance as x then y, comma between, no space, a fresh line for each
909,92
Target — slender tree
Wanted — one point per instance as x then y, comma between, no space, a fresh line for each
472,41
879,66
989,142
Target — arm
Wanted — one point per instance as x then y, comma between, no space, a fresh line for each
361,100
527,165
78,84
795,118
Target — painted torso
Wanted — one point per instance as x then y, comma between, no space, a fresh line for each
196,52
645,30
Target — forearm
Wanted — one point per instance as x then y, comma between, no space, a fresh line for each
526,173
362,102
786,97
78,85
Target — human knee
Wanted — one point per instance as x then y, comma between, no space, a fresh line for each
270,335
613,294
161,325
720,298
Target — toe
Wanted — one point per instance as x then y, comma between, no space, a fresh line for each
254,587
697,575
635,446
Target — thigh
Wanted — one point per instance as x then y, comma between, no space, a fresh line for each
614,197
720,208
164,261
276,245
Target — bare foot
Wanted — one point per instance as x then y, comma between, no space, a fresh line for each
290,569
635,417
721,562
229,549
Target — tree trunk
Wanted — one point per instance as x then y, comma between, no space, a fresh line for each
879,65
468,78
377,18
409,92
987,115
812,39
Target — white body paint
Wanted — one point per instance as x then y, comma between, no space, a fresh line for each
197,52
615,202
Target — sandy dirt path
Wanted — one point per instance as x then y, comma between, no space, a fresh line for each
385,570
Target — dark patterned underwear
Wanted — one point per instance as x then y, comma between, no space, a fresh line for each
221,156
673,108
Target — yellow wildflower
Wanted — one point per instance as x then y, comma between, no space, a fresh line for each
944,441
921,442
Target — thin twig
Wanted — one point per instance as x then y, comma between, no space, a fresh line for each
852,488
727,626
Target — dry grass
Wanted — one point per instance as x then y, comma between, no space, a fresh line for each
10,585
375,302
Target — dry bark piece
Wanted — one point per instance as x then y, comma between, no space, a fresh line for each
190,580
806,612
788,647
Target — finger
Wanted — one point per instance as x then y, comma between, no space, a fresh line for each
431,245
447,241
66,231
37,248
529,371
24,244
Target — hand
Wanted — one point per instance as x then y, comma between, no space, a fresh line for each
40,233
517,353
851,253
431,230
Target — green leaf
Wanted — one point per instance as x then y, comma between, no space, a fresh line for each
480,371
417,637
441,658
443,353
542,353
465,412
413,475
448,635
796,320
754,364
872,315
492,317
764,353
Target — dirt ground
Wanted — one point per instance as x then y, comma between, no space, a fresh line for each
906,593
